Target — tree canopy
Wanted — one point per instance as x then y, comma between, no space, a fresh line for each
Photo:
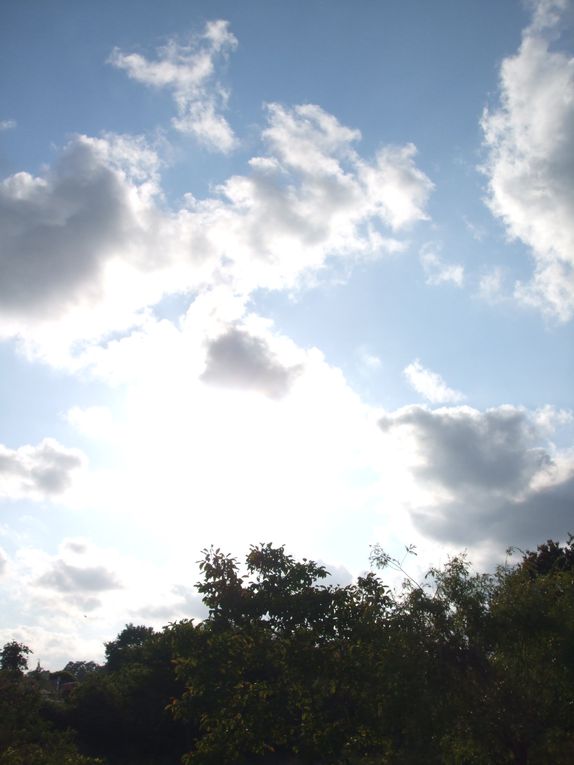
463,667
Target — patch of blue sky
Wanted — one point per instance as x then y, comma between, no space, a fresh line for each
34,398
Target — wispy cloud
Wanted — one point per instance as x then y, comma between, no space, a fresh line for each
430,384
189,71
477,232
436,270
490,285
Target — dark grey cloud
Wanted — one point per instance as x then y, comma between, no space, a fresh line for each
57,232
44,469
465,448
237,359
66,578
540,515
499,480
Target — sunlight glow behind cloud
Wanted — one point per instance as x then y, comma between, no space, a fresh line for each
235,364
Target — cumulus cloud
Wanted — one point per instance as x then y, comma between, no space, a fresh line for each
74,235
3,562
237,359
45,470
436,270
189,72
529,140
430,384
312,196
90,243
7,124
489,476
314,144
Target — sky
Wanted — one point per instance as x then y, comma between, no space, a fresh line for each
299,273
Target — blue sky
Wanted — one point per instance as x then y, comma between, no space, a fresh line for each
293,272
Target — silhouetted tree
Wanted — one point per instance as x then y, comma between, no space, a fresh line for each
13,657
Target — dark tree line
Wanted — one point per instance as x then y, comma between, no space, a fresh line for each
465,669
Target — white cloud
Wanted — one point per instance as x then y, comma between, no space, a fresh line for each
436,270
258,449
180,603
189,72
430,384
490,285
477,232
312,197
42,471
90,244
547,14
315,146
93,421
7,124
397,187
530,167
548,418
368,362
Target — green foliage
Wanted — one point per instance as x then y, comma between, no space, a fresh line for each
81,669
119,710
533,614
272,669
26,737
467,668
127,647
463,669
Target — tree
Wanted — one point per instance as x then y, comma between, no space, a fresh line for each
119,710
127,645
26,736
13,657
284,664
532,615
81,669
